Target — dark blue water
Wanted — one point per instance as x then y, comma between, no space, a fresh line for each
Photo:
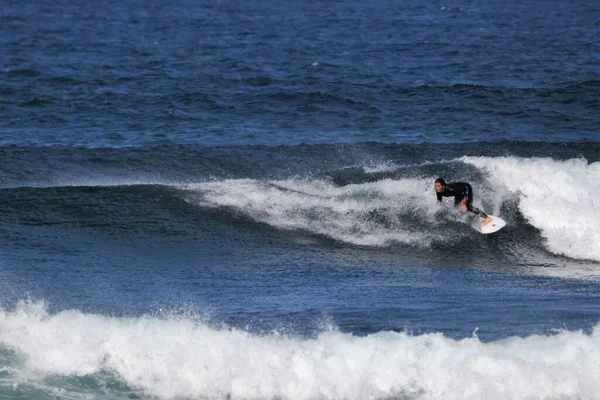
235,200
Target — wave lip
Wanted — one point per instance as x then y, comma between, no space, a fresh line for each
560,198
180,357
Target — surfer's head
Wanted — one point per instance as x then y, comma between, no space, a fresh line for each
440,184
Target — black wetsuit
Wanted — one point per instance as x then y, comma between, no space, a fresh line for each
462,193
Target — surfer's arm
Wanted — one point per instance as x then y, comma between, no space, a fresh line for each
439,198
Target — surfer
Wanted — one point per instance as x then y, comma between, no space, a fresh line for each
462,193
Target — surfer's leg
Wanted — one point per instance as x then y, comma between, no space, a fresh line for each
486,218
476,210
469,204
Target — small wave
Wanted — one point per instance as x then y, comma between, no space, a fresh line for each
23,73
38,102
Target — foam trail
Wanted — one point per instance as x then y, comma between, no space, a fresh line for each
369,214
560,198
173,358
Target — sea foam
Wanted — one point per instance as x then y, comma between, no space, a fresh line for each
183,358
368,214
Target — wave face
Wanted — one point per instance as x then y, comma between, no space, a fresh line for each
186,358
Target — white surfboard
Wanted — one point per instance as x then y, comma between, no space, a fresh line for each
494,225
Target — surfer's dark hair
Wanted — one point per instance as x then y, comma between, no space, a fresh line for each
441,181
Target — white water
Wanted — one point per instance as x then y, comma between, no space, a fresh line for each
180,357
343,213
560,198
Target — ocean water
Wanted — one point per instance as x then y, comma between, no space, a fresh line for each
234,199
